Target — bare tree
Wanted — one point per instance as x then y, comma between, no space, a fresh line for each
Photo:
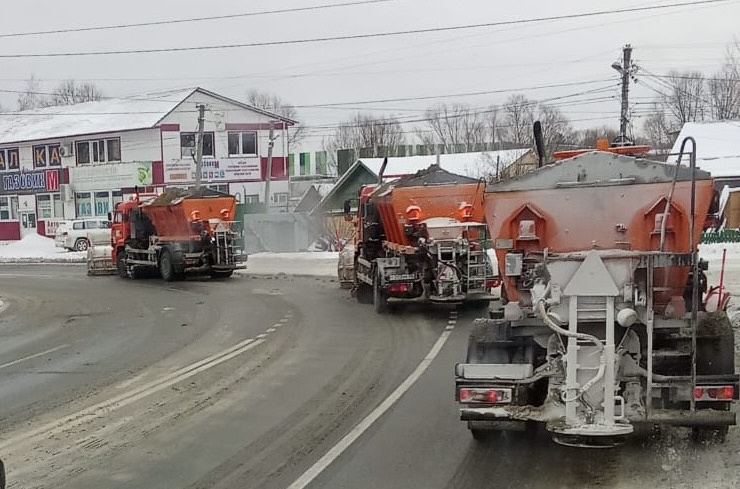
518,113
379,136
276,105
30,98
657,131
455,126
587,138
557,133
724,88
492,118
685,100
69,92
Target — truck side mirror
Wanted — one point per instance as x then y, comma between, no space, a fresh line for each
110,217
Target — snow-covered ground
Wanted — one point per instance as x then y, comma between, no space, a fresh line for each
35,248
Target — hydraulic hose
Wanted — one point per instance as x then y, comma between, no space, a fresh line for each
541,309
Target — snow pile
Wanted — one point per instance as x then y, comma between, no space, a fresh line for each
36,248
321,264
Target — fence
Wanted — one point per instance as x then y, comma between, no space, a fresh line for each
724,236
288,232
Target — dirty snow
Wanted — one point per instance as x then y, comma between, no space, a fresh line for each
321,264
36,248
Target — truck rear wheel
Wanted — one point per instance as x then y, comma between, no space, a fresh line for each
380,299
166,269
715,355
364,293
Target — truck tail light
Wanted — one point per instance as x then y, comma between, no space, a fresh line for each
714,393
479,395
398,288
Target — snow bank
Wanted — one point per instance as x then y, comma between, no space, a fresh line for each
36,248
321,264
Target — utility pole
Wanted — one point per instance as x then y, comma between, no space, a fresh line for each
270,145
199,146
627,69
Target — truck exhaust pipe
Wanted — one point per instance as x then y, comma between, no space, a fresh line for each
382,170
539,144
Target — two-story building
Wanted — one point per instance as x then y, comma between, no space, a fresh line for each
80,160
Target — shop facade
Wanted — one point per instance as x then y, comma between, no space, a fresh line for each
84,165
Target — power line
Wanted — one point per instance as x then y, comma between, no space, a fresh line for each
193,19
369,35
467,94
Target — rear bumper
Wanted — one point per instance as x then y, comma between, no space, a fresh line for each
472,297
703,417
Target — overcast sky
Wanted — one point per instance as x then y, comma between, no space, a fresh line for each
431,64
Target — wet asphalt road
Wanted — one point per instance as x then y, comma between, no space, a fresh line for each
247,382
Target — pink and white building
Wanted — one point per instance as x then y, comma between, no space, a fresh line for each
77,161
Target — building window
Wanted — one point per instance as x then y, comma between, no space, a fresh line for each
280,197
8,208
50,206
100,151
47,155
9,159
242,144
102,203
188,141
252,199
84,204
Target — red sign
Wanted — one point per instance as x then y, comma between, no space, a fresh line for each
52,180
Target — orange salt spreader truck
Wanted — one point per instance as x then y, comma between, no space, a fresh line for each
177,233
421,239
605,321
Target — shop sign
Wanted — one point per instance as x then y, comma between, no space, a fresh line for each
30,182
214,170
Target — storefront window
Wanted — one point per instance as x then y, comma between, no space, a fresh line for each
84,204
102,203
50,206
8,208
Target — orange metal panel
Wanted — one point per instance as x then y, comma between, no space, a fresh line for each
434,201
601,218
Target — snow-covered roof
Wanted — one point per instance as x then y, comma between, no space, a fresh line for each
717,146
474,165
107,115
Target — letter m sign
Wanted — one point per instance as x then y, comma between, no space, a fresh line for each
52,180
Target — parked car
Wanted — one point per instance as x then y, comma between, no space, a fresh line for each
79,234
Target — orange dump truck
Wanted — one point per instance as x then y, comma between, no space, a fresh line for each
176,233
605,321
420,238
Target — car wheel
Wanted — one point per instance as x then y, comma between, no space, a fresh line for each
82,244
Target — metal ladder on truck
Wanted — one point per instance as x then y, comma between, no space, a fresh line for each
477,271
680,337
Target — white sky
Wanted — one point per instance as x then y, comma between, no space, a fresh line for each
496,58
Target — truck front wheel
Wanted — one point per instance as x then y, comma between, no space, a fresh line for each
165,266
121,265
